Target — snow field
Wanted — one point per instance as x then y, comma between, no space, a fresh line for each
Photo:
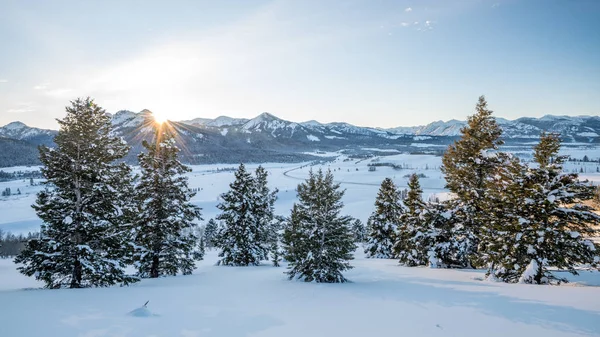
383,299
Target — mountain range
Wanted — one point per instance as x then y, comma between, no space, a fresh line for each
269,138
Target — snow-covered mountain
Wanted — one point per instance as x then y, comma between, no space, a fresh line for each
267,137
20,131
571,128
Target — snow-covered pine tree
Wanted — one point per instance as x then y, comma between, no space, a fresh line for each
318,242
467,164
85,206
559,226
500,248
242,238
211,231
439,236
383,222
412,243
165,238
264,210
359,230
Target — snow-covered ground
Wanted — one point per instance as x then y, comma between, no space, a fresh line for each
383,298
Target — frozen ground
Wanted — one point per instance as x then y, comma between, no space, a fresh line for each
383,299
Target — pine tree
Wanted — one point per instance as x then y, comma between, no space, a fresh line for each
242,239
383,222
275,254
318,241
500,249
467,164
84,207
542,222
359,230
412,244
211,232
264,209
165,240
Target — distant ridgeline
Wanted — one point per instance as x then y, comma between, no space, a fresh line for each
267,138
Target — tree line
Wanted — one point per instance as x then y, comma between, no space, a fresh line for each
519,221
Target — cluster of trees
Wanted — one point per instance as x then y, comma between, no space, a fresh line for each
8,192
7,176
98,217
12,245
518,221
316,240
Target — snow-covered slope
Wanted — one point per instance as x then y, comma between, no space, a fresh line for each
20,131
571,128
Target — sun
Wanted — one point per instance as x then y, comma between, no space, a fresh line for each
159,118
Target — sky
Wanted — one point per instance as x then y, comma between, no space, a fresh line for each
381,63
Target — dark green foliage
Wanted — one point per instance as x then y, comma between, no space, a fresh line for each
247,216
359,230
544,222
211,231
467,164
383,222
318,241
412,244
84,205
165,239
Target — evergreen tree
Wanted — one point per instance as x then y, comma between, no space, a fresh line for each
84,206
275,254
164,238
555,226
412,244
383,222
318,241
211,232
467,164
499,248
242,238
359,230
440,237
263,209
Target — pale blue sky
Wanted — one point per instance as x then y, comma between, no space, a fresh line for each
378,63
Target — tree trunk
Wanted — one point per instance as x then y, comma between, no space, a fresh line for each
76,278
154,267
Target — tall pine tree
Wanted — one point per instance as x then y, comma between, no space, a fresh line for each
165,237
383,222
84,207
243,238
412,244
264,209
318,241
467,164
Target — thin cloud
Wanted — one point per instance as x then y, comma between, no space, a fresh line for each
2,80
404,24
408,9
59,92
21,108
41,86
